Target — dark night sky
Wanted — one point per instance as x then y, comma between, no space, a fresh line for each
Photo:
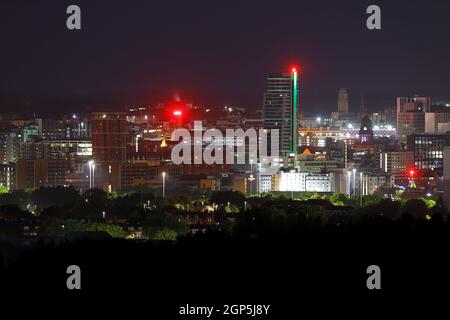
218,52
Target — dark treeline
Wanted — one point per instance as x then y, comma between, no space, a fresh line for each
55,213
268,248
59,211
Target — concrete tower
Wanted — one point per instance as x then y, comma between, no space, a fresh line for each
343,101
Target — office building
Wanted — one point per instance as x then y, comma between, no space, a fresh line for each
8,176
394,162
281,109
428,150
109,131
109,146
437,122
411,116
303,181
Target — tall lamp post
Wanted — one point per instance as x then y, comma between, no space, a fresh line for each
349,174
258,178
354,181
93,175
251,178
164,184
91,166
361,189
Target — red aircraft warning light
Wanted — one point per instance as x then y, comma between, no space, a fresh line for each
412,172
295,69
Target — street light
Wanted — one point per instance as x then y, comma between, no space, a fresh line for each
361,188
349,174
251,178
164,184
354,181
93,175
258,178
91,164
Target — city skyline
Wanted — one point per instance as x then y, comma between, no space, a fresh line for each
219,150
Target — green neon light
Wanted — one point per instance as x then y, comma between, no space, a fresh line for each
294,116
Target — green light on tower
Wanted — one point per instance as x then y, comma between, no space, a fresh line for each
294,111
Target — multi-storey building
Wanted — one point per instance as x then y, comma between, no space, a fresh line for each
109,145
302,181
436,122
109,131
428,150
395,161
409,123
34,173
281,109
411,115
369,183
9,147
8,176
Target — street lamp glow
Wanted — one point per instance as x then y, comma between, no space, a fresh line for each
349,174
251,178
354,181
91,173
164,184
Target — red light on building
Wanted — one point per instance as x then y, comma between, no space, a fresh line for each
295,69
177,113
411,172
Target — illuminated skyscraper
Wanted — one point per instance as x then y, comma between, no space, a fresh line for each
343,101
281,109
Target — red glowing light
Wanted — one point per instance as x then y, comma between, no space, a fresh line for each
177,113
294,69
412,173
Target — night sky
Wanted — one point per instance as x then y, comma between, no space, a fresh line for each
216,52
